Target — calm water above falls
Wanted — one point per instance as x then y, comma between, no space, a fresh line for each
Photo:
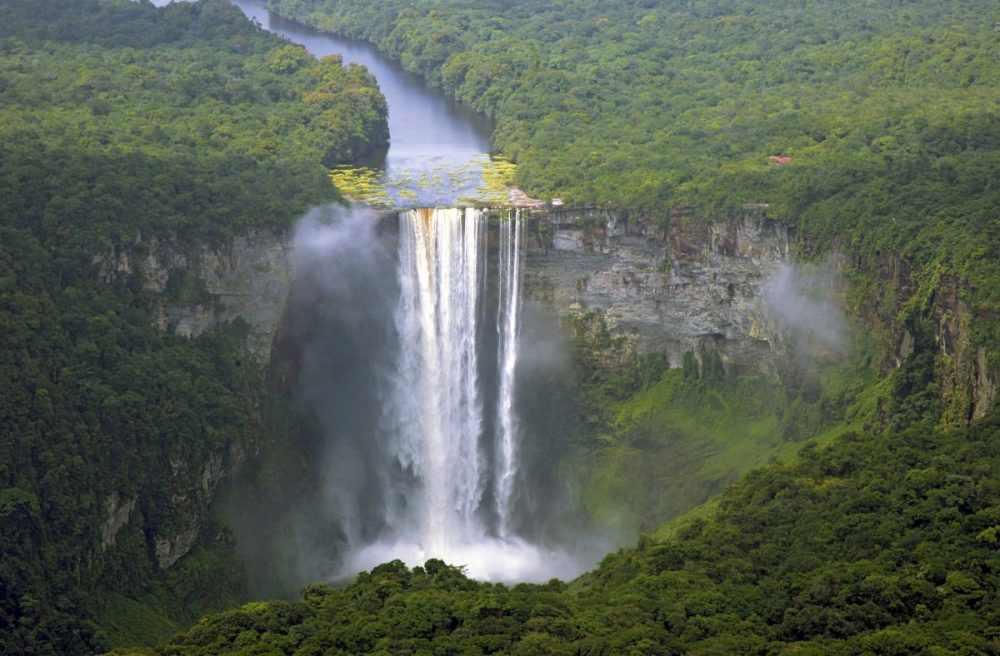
424,125
437,147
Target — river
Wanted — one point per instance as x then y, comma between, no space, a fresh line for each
436,146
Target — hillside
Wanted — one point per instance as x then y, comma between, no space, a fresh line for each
121,123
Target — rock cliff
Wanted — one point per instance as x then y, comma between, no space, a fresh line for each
663,286
250,278
897,302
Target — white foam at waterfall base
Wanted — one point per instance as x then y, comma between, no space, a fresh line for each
510,560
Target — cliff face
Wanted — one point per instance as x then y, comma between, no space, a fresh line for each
966,380
683,285
669,286
687,286
691,287
248,279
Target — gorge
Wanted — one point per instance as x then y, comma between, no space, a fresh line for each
727,383
628,284
674,287
675,290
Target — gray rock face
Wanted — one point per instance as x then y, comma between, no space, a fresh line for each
965,377
171,549
985,386
688,287
194,488
119,511
248,278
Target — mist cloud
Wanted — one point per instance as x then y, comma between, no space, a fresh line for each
801,300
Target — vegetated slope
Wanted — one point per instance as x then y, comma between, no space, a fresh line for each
651,443
888,114
886,545
120,122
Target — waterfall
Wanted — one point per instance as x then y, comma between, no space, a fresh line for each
441,436
415,381
508,307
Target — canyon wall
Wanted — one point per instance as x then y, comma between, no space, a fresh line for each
683,286
896,305
626,283
668,286
248,279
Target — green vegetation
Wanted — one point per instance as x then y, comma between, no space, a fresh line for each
481,181
209,578
870,545
889,112
119,120
650,442
120,123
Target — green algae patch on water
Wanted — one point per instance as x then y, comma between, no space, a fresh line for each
481,182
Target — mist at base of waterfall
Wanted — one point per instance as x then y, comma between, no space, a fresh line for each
512,560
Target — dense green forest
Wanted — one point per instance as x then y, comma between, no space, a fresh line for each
185,121
869,546
880,537
889,112
120,123
648,442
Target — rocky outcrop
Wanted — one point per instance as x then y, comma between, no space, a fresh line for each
248,278
670,286
984,389
118,510
194,485
171,549
899,300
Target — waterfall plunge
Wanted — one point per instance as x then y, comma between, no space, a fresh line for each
437,384
451,435
508,328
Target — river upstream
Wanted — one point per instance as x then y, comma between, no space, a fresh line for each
426,128
437,147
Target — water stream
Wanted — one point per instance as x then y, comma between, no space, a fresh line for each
437,147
